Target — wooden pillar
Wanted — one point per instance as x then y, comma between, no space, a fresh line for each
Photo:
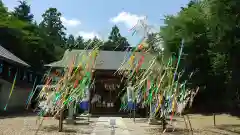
60,128
214,119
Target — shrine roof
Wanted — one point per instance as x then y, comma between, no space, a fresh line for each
5,54
106,60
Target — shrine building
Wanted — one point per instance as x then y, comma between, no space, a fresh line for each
13,68
107,82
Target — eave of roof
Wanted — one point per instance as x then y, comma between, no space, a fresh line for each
106,60
5,54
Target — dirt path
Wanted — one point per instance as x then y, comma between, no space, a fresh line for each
28,126
202,125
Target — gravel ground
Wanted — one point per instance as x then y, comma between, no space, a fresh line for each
202,125
28,126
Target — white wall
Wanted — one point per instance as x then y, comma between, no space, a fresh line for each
18,98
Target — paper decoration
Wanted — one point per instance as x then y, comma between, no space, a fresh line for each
25,75
1,68
108,105
145,82
9,71
30,77
13,85
31,93
130,93
86,94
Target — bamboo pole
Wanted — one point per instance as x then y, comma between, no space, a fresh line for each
190,125
39,126
214,119
60,127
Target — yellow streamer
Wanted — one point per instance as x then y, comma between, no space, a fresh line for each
160,102
13,85
174,104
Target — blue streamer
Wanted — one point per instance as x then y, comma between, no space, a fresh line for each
32,92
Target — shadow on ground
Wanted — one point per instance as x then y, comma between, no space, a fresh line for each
156,122
6,114
176,131
218,130
55,128
230,128
141,120
80,122
181,131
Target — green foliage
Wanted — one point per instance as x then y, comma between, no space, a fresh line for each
210,29
79,43
53,28
115,41
22,12
42,43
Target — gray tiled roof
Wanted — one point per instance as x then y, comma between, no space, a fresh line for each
107,60
4,53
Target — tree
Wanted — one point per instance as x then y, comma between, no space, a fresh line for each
53,27
115,41
91,43
12,32
79,43
224,32
210,29
96,42
3,9
22,12
70,42
23,37
87,43
190,25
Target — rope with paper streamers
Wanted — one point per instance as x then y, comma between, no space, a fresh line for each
158,85
70,88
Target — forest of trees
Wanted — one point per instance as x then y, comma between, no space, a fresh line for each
210,29
42,43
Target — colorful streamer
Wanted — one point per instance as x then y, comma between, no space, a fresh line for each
11,91
31,93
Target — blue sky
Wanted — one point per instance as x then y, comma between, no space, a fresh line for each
90,18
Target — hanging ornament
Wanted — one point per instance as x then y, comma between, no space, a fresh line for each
25,75
85,102
140,47
13,85
130,93
1,67
148,87
140,62
30,77
130,96
9,71
76,83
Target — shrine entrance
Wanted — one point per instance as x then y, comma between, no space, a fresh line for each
106,94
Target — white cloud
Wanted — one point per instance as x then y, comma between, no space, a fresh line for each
70,22
88,35
127,19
